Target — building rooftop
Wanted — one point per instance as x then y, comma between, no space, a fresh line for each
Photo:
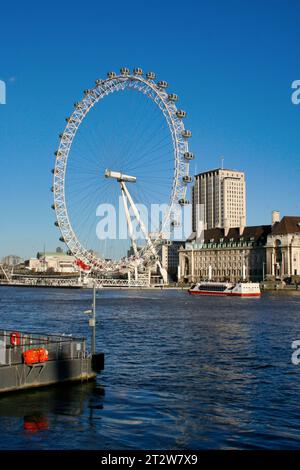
254,233
288,224
54,254
215,170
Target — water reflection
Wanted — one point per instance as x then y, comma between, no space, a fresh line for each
36,422
36,408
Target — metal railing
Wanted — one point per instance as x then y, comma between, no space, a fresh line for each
59,347
41,282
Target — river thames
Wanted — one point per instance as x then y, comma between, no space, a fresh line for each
181,372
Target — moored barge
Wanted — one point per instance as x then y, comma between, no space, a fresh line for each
29,360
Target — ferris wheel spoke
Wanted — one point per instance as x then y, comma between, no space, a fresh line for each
149,162
137,131
88,218
136,153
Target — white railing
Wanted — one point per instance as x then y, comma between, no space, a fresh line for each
121,283
88,283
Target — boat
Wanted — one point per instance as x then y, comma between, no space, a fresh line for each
229,289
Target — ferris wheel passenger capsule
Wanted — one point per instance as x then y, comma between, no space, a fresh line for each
87,92
77,105
180,114
173,97
61,239
53,207
137,71
189,156
175,223
56,224
111,74
162,84
187,179
183,202
99,81
186,134
52,189
151,75
124,71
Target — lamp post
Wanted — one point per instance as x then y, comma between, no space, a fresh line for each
92,321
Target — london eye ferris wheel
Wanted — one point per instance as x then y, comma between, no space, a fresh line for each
130,150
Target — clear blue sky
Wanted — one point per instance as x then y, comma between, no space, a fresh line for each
231,62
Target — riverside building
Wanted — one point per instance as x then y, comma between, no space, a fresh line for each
169,255
55,262
283,248
252,253
221,193
236,254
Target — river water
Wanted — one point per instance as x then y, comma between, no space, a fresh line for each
181,372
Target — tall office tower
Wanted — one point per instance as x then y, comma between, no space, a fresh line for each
219,199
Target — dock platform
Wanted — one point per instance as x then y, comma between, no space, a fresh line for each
30,360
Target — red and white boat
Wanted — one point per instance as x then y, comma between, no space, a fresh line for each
239,289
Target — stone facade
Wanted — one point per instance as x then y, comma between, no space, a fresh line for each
170,258
238,254
251,253
283,249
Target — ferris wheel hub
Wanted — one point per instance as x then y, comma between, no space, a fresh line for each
119,176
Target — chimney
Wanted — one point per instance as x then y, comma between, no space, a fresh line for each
242,225
275,217
226,227
200,225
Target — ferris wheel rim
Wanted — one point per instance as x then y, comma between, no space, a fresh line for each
180,148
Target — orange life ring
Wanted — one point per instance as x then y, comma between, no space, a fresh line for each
15,338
